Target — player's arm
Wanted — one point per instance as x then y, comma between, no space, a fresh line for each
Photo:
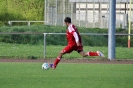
76,38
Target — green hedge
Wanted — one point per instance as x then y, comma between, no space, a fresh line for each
58,39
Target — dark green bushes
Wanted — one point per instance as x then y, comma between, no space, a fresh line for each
89,40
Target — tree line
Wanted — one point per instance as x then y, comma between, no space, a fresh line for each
21,10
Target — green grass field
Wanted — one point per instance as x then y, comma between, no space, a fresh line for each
27,51
30,75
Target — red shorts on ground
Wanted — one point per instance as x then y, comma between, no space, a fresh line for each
70,48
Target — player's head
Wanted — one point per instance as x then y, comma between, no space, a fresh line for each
67,21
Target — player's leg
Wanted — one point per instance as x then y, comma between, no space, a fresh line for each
84,54
67,49
57,60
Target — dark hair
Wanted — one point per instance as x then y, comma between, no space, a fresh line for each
67,19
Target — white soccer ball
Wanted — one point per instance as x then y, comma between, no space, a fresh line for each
45,66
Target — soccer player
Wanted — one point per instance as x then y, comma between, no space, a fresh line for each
74,44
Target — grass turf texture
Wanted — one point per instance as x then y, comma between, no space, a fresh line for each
30,75
27,51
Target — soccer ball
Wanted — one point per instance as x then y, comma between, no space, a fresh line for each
45,66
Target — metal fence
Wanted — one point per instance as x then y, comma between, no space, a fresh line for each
28,22
101,43
98,41
86,13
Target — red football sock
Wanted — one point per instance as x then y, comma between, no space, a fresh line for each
93,54
57,60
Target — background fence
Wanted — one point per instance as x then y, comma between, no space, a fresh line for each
91,42
86,13
19,50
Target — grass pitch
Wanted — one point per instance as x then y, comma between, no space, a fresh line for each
9,50
30,75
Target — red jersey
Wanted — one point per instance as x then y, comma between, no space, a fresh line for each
72,35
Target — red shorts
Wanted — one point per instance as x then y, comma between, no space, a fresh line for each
70,48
